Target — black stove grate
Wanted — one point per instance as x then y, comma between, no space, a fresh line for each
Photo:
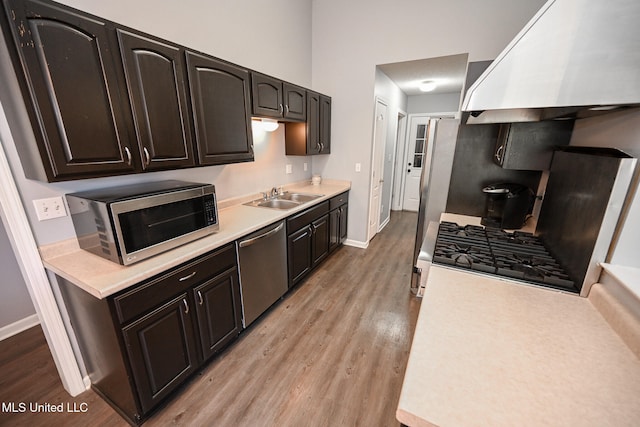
517,255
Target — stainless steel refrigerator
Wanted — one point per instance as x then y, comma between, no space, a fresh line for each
434,188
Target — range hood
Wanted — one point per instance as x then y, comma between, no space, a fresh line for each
574,59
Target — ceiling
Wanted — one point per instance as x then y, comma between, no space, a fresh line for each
448,72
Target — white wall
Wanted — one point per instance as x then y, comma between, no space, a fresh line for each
15,302
272,37
350,38
618,130
433,103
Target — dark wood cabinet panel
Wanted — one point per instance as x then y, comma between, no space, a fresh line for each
267,99
162,350
157,91
274,98
308,240
219,311
337,227
295,101
319,240
325,125
221,104
339,206
299,254
529,145
314,135
74,90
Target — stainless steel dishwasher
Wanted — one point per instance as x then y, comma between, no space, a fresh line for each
263,270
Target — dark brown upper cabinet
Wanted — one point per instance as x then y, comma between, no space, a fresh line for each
155,74
277,99
313,136
74,90
221,104
530,145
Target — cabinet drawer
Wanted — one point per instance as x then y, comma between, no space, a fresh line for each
338,200
306,217
149,295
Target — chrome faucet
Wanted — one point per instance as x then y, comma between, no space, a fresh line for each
274,192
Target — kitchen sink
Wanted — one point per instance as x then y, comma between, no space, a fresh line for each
284,201
298,197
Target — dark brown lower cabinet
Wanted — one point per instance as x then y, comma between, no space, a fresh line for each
299,254
218,311
339,209
309,235
162,350
140,344
319,239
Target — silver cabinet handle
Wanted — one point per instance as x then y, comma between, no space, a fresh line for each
186,306
499,153
253,240
128,153
281,109
147,157
200,300
286,107
182,279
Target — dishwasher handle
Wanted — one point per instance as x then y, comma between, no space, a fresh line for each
249,242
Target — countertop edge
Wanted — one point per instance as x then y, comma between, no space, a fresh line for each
102,278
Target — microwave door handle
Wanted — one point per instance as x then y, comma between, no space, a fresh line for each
249,242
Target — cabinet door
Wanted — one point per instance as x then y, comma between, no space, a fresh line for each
221,106
162,350
313,123
299,254
267,99
295,102
334,229
218,309
319,239
157,92
325,125
80,116
344,213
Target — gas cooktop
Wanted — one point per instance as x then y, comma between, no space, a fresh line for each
515,255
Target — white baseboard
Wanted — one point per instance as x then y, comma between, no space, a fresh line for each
356,244
19,326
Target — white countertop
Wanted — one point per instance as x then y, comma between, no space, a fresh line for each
489,352
101,277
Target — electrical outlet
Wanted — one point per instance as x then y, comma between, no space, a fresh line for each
50,208
305,166
289,169
358,167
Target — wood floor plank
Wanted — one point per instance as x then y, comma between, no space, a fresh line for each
331,353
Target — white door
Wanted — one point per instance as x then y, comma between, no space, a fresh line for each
417,140
379,137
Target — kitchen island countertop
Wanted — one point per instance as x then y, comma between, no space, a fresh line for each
490,352
102,278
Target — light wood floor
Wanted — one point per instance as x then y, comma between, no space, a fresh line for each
332,353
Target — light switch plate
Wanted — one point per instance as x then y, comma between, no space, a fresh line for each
52,207
289,169
358,167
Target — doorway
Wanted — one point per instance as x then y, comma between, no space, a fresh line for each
377,166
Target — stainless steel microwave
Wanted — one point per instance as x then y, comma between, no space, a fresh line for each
130,223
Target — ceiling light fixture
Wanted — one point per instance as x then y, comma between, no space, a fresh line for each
427,86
